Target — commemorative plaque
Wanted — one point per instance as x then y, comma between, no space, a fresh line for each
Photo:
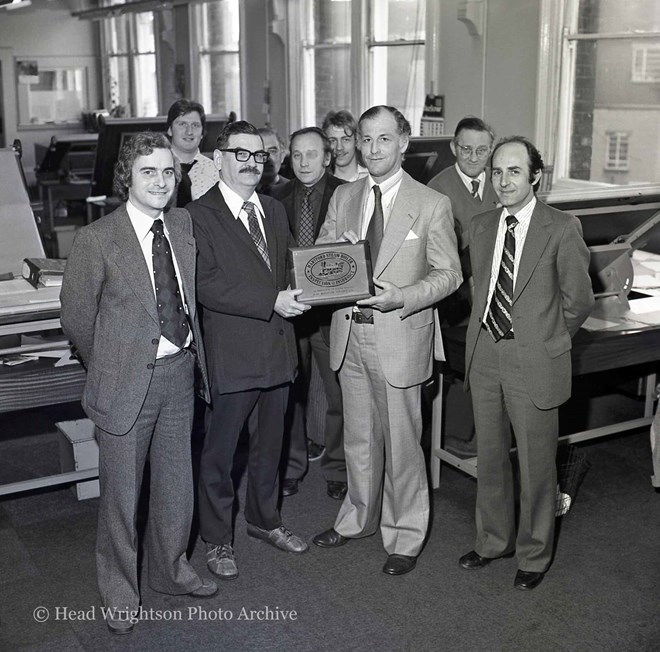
332,273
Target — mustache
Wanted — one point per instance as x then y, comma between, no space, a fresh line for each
249,169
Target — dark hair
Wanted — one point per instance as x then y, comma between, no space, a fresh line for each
474,124
234,128
141,144
403,126
269,131
341,119
184,107
534,159
327,147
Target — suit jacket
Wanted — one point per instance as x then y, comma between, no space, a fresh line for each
109,313
418,254
248,344
320,316
551,299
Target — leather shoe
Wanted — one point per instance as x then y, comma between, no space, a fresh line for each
207,590
330,539
337,490
289,487
119,626
526,581
279,538
221,562
314,451
399,564
473,560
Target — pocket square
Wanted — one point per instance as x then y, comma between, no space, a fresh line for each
412,235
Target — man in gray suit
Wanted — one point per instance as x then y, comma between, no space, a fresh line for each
128,306
384,346
531,294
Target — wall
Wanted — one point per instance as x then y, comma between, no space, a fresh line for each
44,31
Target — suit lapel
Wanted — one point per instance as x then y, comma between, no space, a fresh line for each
404,214
130,260
482,249
535,243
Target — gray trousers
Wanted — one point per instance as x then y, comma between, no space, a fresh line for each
162,435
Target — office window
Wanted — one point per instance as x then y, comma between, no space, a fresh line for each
130,79
646,63
616,157
605,113
354,54
216,35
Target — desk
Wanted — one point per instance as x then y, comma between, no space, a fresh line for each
592,351
51,191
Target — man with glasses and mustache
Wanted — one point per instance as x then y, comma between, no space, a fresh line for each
242,280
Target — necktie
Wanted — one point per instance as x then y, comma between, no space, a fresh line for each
498,321
172,316
375,228
255,232
306,226
184,192
475,188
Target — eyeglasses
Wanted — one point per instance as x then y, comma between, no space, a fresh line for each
466,152
243,155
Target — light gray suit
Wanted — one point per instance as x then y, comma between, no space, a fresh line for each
381,366
142,407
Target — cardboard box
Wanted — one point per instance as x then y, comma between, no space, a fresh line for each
78,451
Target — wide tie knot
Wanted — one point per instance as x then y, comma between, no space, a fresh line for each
377,193
248,207
157,228
308,191
475,187
511,222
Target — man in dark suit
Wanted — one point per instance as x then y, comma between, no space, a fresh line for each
306,200
242,240
384,346
531,294
128,306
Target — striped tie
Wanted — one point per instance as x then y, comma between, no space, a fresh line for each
255,232
475,188
498,321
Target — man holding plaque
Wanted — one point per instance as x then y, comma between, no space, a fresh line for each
306,200
383,347
242,242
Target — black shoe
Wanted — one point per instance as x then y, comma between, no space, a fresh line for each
119,626
526,581
399,564
221,562
330,539
473,560
337,489
207,590
279,537
289,487
314,451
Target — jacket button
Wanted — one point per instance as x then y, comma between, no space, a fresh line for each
154,341
150,366
347,316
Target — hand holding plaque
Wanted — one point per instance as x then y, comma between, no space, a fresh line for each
332,273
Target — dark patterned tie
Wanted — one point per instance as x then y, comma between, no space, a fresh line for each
306,227
375,228
498,321
475,188
172,316
255,231
184,192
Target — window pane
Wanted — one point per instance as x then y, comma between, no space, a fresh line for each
602,16
332,81
220,83
394,20
331,21
116,34
119,87
144,31
218,25
397,76
146,85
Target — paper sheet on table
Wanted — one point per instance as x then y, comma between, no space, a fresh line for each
646,281
653,265
595,324
638,254
645,305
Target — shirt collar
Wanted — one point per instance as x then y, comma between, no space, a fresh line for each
524,214
141,222
235,201
388,184
318,187
468,180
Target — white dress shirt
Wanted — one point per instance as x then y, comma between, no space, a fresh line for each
142,224
468,181
388,190
235,204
